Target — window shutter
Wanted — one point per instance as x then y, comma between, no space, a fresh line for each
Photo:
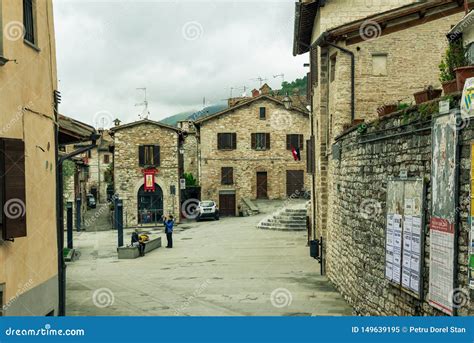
141,155
14,202
310,155
309,86
253,140
288,142
301,141
219,141
267,141
230,175
156,155
234,140
314,66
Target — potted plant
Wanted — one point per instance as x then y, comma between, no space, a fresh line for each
453,71
429,93
386,109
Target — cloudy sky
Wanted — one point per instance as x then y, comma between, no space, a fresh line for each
181,51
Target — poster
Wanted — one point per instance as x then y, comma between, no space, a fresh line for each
443,215
467,101
404,233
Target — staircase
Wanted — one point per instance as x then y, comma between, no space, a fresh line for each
286,219
249,208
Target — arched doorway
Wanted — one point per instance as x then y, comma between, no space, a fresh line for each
150,205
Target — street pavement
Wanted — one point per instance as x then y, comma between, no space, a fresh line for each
216,268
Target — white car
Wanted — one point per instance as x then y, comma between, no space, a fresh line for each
207,209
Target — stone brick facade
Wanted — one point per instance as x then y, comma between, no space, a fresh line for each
190,147
355,252
243,120
128,174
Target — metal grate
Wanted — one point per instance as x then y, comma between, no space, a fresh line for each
28,21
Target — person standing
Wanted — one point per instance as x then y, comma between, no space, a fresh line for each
169,224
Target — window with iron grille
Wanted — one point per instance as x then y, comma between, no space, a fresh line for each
227,175
28,20
294,141
260,141
227,141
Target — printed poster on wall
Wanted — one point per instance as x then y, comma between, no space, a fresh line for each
443,216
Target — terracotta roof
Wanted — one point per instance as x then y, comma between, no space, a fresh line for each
144,121
72,131
248,102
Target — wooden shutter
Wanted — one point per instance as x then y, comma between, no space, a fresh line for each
219,141
253,140
314,67
267,141
14,201
309,86
288,142
310,167
141,155
234,140
301,142
156,155
227,175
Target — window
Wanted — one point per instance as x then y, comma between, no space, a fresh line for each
12,189
149,155
227,141
263,113
294,141
106,159
332,74
379,64
89,153
29,20
260,141
227,175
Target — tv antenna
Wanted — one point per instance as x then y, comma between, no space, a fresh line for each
280,75
260,79
145,113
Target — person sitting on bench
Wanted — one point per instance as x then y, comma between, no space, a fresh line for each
137,241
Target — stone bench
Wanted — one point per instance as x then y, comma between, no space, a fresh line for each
133,252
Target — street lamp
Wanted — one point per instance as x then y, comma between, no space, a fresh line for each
287,101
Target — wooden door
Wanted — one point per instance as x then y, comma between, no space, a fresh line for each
262,185
227,204
294,183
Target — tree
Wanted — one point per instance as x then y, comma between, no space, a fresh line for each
290,87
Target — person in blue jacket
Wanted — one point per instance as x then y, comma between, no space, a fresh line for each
169,223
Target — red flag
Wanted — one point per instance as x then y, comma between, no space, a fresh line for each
294,153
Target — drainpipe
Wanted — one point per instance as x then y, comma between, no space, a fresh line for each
322,41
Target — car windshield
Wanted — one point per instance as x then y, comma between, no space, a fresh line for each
207,203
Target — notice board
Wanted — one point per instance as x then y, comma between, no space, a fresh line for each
443,216
404,234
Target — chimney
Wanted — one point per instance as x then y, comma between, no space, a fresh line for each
117,122
255,93
265,89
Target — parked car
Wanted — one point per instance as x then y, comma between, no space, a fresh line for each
207,209
91,203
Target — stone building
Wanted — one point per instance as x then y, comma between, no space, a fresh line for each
245,151
28,243
190,148
147,170
394,49
381,38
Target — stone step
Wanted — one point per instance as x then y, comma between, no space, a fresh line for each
281,228
285,217
266,224
286,221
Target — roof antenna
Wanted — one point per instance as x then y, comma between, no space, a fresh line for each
260,79
280,75
145,113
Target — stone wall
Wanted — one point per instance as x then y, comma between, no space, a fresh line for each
357,184
128,174
246,161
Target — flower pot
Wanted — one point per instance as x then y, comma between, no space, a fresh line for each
386,109
427,95
450,87
463,73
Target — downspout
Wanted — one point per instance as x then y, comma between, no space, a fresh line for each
322,41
